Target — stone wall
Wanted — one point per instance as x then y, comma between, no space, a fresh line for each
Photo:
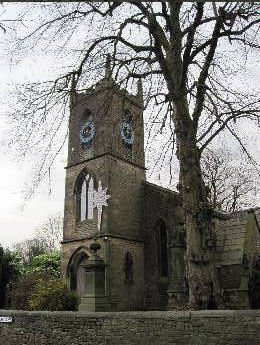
119,293
71,328
163,204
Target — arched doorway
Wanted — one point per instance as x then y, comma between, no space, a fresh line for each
76,271
86,273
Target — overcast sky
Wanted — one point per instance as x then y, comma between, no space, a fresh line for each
17,223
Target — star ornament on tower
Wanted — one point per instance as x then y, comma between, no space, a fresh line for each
100,199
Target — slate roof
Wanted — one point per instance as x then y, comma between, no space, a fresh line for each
231,235
257,213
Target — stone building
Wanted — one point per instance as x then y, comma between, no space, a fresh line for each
123,245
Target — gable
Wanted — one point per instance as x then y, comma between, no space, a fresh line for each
237,238
230,239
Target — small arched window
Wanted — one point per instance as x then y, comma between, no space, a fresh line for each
162,247
86,115
128,268
84,197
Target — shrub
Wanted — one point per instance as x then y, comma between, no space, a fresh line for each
52,294
10,270
20,292
48,263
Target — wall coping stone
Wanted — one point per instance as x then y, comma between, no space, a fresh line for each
136,314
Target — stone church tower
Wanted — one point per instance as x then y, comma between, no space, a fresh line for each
103,240
124,238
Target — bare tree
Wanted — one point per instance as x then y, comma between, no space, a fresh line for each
187,55
50,233
46,239
6,23
28,249
233,184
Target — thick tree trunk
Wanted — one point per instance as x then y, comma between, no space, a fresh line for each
198,215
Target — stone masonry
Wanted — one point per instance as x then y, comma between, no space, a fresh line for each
146,328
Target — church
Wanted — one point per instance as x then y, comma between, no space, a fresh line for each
123,243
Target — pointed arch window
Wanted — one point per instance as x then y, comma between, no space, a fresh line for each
84,197
87,115
162,247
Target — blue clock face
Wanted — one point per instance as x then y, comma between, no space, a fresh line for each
127,133
87,132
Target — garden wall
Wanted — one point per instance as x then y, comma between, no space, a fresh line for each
127,328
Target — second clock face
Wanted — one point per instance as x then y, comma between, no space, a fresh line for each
87,132
127,133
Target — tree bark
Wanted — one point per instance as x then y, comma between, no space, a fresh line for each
199,256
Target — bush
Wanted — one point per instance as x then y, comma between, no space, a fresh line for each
52,294
48,263
20,292
10,270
